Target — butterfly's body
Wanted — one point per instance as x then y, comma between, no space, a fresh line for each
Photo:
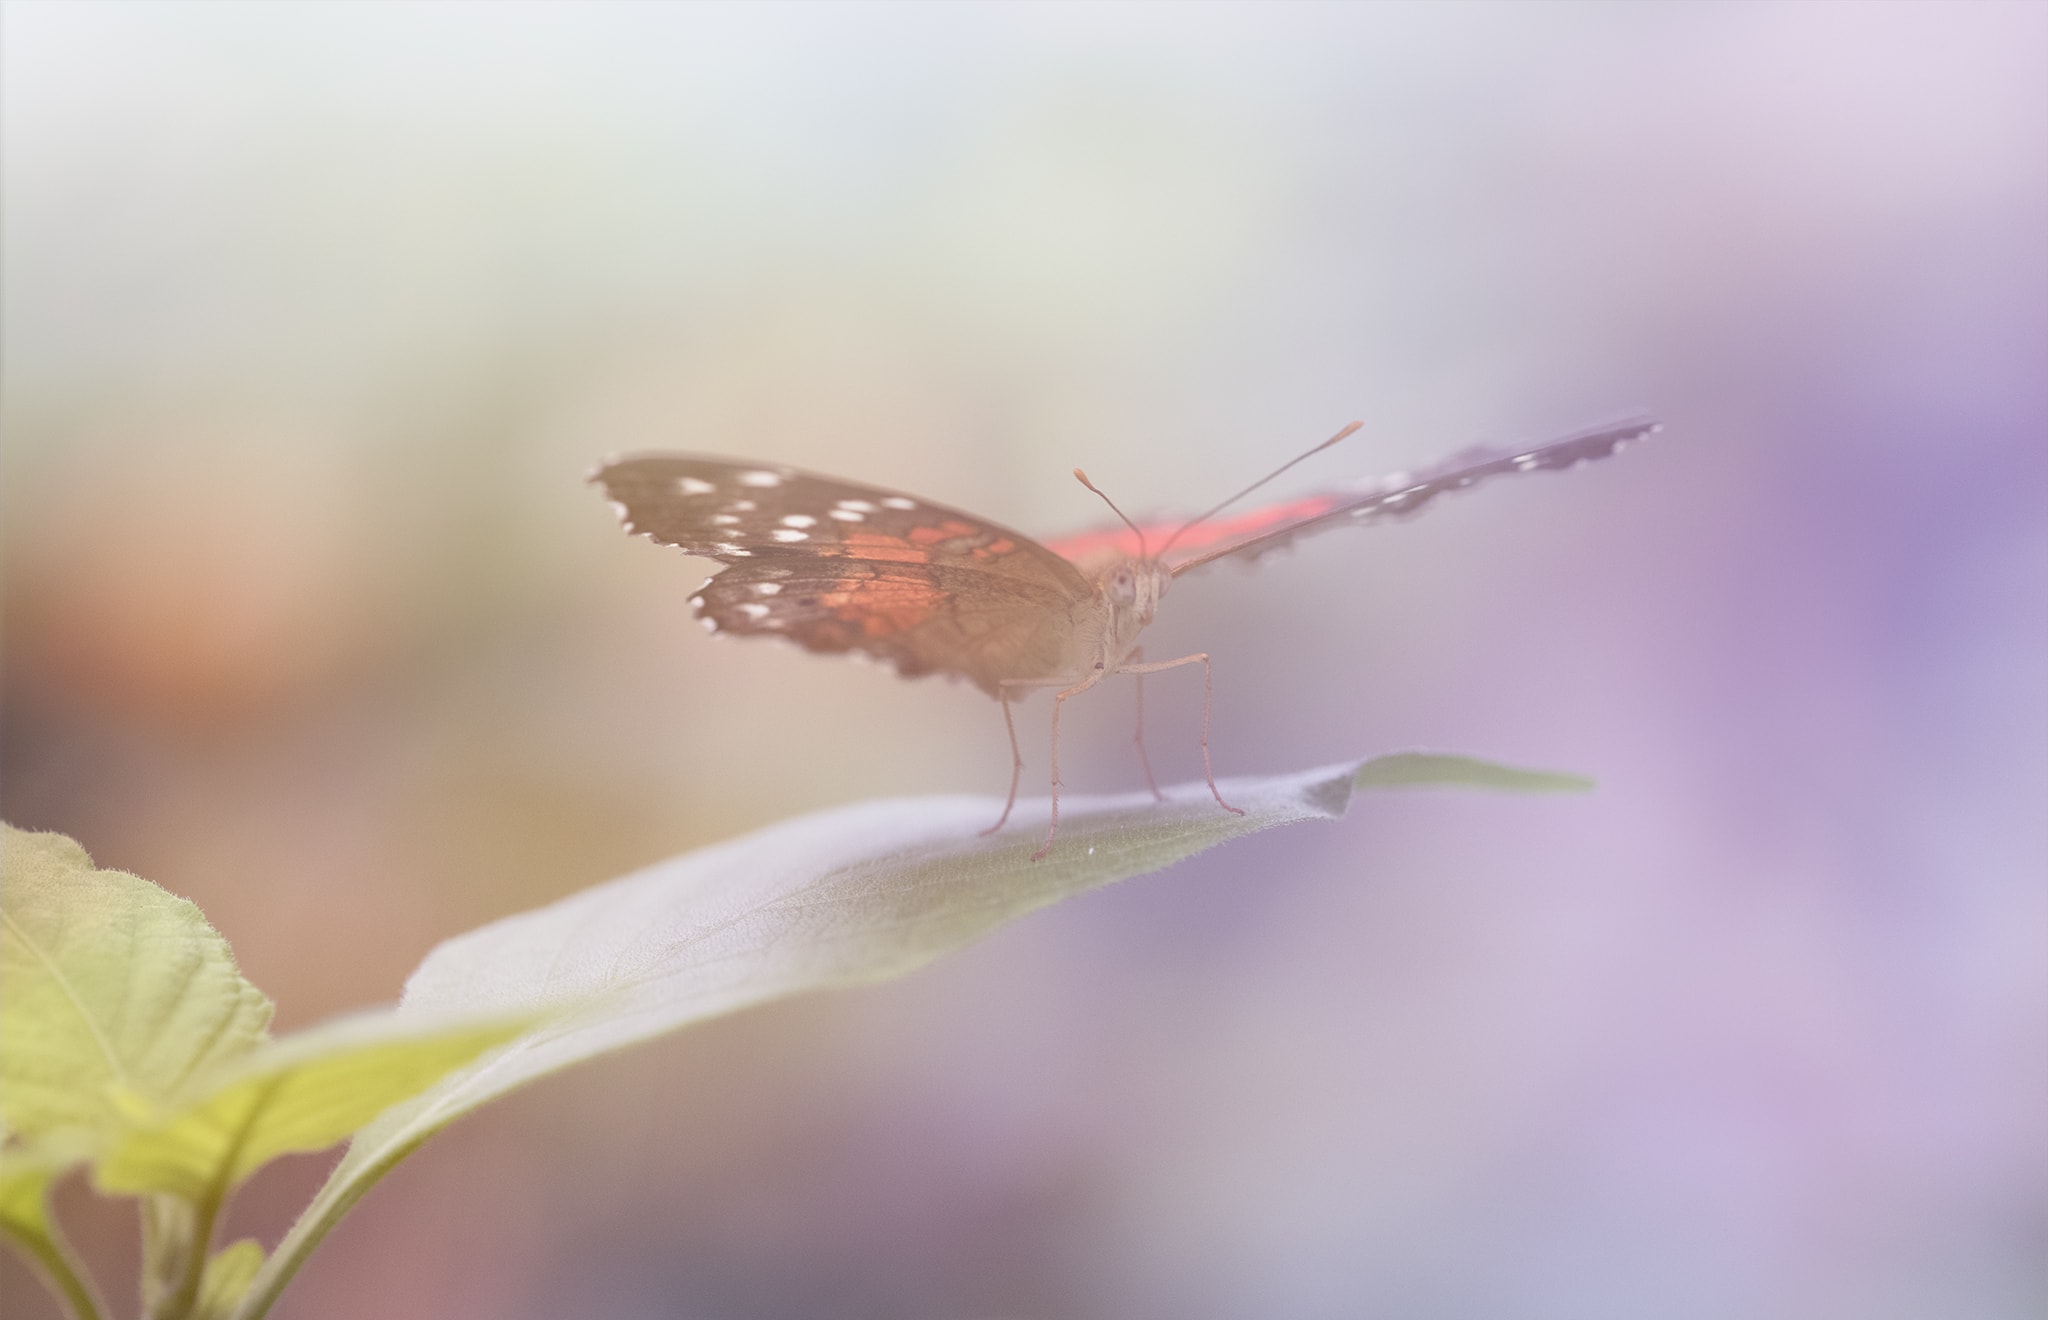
834,565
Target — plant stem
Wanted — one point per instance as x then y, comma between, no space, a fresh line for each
52,1257
177,1303
312,1226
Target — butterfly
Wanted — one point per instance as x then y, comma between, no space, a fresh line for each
837,566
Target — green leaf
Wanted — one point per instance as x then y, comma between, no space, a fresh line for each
304,1092
837,898
113,993
26,1172
1439,770
227,1278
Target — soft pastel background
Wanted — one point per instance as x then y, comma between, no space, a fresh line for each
316,315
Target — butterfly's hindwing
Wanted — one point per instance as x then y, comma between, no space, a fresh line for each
927,618
837,566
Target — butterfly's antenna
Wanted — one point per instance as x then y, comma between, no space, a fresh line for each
1193,523
1082,477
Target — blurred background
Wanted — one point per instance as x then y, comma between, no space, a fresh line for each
316,315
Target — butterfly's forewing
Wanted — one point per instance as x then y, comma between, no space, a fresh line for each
1407,493
838,566
1099,543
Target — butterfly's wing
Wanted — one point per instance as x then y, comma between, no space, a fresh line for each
838,566
1099,543
1399,495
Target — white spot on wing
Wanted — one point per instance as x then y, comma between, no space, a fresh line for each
799,520
848,515
898,502
694,486
791,534
728,548
858,506
742,506
710,624
754,610
762,478
1526,461
767,588
724,519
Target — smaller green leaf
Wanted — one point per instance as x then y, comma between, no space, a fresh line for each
304,1092
110,989
227,1278
26,1174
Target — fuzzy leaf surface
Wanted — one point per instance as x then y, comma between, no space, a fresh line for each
836,898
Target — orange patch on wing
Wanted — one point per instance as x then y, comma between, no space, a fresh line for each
878,613
889,549
950,530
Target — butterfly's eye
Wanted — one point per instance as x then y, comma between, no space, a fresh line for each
1123,586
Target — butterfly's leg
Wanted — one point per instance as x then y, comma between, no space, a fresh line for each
1208,690
1003,687
1016,760
1059,699
1138,735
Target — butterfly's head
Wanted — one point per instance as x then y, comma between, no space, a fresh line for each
1133,583
1129,585
1132,587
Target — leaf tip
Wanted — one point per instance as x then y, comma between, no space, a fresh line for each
1440,769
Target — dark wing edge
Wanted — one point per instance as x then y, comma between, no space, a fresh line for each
1408,493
